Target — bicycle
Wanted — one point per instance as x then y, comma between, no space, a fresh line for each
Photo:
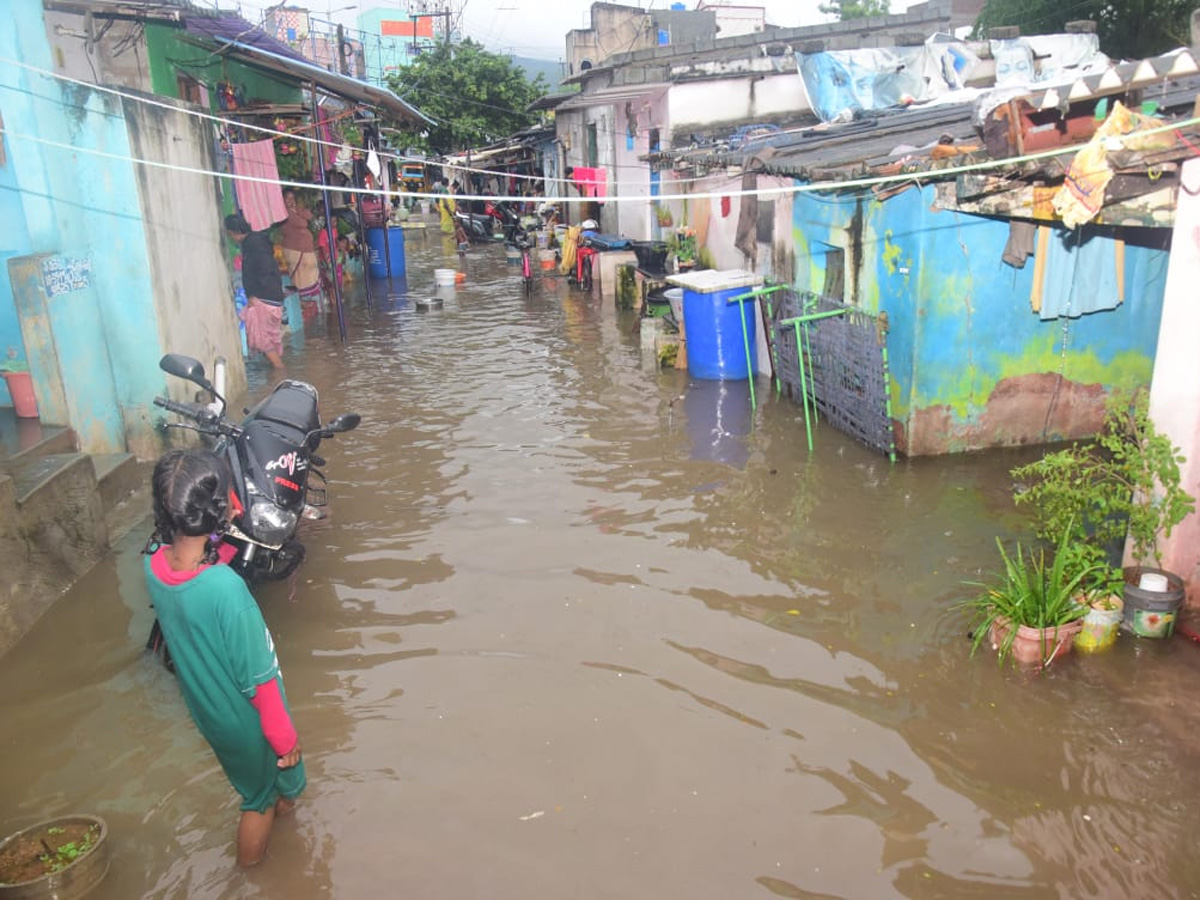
584,255
523,243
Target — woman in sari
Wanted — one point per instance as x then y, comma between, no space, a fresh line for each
299,253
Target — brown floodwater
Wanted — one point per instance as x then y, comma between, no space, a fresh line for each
578,628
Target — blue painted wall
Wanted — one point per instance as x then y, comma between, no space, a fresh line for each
970,361
14,241
80,206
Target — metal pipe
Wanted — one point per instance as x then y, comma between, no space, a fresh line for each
801,342
330,230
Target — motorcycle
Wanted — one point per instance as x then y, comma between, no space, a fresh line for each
272,455
479,227
506,217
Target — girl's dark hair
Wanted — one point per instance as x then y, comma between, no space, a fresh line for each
236,223
191,497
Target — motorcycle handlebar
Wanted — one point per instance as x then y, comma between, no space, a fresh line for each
205,417
191,410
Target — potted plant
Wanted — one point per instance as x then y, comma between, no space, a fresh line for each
663,215
683,244
1030,609
1125,482
61,858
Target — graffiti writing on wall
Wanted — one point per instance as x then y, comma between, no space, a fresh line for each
64,274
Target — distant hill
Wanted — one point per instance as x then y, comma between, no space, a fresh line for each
548,69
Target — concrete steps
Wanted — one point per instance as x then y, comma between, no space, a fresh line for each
60,511
124,485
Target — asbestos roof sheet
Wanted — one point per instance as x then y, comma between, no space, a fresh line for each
870,141
858,145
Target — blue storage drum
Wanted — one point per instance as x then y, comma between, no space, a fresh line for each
377,260
716,343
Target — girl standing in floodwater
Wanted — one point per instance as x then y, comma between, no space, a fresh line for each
222,651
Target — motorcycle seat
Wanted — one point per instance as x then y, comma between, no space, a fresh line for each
293,404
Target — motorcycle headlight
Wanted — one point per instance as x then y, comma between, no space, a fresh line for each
271,524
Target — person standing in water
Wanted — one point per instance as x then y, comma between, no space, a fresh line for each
263,314
222,651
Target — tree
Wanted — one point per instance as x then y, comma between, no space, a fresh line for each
855,9
476,97
1128,29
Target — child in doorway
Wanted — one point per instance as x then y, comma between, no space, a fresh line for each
222,651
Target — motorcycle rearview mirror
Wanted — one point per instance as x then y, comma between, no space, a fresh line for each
344,422
185,367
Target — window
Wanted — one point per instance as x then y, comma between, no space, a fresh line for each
835,275
592,150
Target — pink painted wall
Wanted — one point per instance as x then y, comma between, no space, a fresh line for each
1175,390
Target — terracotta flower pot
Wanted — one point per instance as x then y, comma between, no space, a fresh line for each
1036,645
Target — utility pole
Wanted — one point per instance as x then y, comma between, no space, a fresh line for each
343,67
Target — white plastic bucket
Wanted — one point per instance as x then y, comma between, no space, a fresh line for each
675,298
444,277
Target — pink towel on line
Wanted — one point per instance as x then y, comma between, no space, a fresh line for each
591,182
261,201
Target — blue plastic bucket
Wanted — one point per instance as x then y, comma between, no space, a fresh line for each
376,260
716,348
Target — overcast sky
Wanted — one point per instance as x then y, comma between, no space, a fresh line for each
534,28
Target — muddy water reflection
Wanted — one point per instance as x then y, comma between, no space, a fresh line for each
579,629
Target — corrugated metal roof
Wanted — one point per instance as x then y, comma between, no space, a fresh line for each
252,45
226,28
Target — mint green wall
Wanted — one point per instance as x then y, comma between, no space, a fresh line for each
170,53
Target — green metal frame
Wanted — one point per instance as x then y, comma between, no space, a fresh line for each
741,299
803,349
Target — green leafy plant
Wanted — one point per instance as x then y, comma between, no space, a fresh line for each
1027,591
1124,482
683,245
662,215
55,859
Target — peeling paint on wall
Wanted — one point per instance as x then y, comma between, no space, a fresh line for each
972,364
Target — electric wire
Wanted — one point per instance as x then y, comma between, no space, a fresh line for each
795,188
775,191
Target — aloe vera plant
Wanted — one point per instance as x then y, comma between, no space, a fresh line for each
1028,591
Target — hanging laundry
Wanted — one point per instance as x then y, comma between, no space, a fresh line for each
1020,243
591,182
1081,196
261,201
1076,272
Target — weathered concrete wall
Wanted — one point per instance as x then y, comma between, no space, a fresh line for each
190,296
630,176
702,105
972,365
47,544
117,57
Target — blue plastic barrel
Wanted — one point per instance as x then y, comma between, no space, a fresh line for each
376,260
715,346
